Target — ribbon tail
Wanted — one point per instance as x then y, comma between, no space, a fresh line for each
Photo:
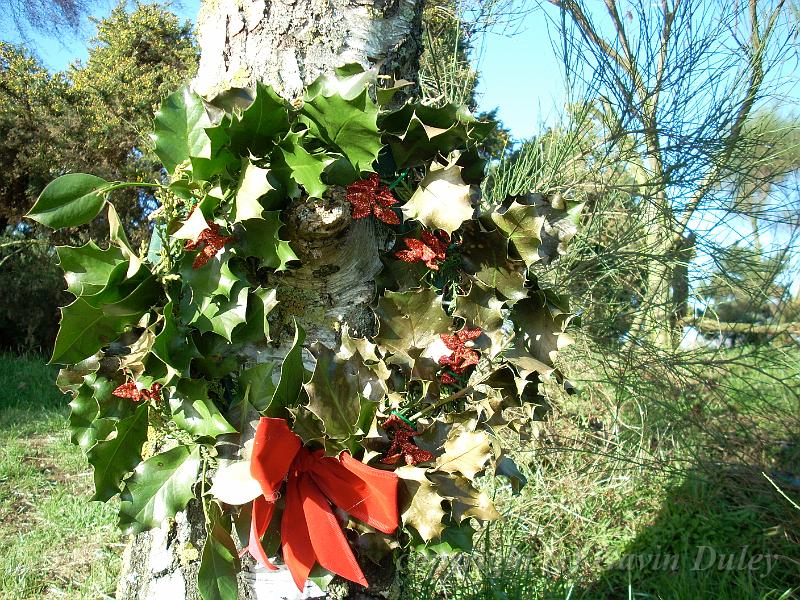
298,552
259,521
364,492
327,539
274,449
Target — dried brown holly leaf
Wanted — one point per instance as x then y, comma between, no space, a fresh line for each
420,504
408,320
338,390
465,499
521,225
538,335
485,257
442,200
465,452
481,308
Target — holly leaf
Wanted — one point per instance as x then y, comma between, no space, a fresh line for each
465,452
465,500
538,336
453,540
88,421
174,346
348,125
259,305
219,565
484,255
85,328
215,278
420,504
410,320
88,268
337,390
70,200
255,184
257,384
194,412
179,129
522,226
114,458
302,166
261,239
481,308
192,227
290,383
218,314
256,130
442,199
158,489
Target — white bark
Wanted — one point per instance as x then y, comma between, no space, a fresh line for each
288,43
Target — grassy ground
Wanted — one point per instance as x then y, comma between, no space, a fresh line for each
54,542
621,502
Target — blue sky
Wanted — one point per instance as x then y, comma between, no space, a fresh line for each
519,73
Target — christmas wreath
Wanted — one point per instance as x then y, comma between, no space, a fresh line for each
171,357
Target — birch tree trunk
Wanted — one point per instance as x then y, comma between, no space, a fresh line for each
287,44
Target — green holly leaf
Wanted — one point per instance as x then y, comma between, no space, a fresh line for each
85,328
347,81
158,489
214,278
259,305
484,255
179,129
417,134
114,458
257,383
194,412
219,564
84,425
71,200
88,268
221,158
301,166
174,346
454,540
216,313
258,189
412,319
261,239
293,372
348,125
521,225
442,199
337,390
256,130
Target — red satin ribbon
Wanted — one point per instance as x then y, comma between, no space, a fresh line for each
310,532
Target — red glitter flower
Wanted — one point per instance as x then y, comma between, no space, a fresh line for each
462,357
129,390
431,249
402,444
212,241
370,197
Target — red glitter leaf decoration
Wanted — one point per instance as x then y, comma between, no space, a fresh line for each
462,357
402,445
212,242
431,249
370,197
129,390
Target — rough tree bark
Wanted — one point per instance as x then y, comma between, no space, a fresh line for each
288,43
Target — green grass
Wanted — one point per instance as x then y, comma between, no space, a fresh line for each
614,485
54,542
600,497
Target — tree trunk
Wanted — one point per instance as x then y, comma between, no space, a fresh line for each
287,44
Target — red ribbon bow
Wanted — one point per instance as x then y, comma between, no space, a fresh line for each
310,532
